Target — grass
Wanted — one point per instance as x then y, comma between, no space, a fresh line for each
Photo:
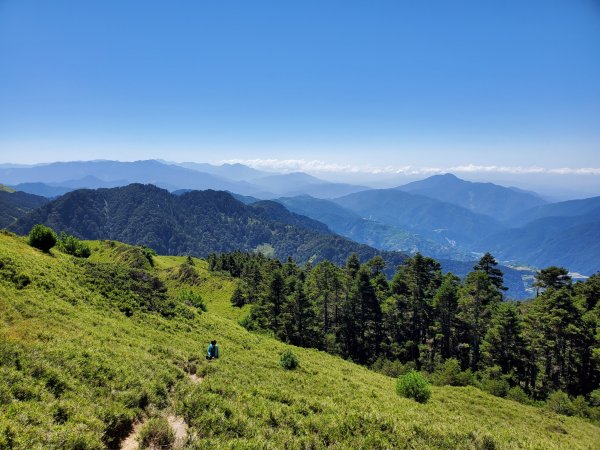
75,372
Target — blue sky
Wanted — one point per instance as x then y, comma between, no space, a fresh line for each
382,85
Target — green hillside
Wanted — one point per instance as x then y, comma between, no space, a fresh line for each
90,347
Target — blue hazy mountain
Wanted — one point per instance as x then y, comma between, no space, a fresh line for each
238,172
298,183
379,235
501,203
442,222
569,241
42,189
568,208
110,173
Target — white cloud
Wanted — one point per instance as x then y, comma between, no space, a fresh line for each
295,165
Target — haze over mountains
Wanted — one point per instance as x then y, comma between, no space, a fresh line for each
441,216
490,199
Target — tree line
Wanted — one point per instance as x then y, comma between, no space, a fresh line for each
426,320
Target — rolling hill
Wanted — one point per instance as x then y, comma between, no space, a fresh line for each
79,371
195,223
496,201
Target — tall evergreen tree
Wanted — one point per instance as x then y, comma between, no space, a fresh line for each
369,315
445,305
352,265
556,338
552,277
488,264
416,281
504,344
477,300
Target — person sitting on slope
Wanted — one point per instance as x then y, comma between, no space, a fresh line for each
213,350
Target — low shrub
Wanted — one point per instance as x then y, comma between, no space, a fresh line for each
517,394
392,368
288,360
191,298
73,246
560,403
449,374
413,385
580,407
42,237
157,433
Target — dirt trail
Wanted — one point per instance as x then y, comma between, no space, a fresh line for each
180,429
195,378
177,423
130,442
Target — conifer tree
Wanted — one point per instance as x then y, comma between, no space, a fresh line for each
478,298
488,264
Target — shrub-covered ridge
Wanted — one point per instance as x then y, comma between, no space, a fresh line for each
77,370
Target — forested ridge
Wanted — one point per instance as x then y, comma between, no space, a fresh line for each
460,332
195,223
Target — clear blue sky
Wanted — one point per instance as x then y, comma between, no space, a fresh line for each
383,83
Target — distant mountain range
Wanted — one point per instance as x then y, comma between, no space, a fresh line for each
234,178
435,220
441,216
572,241
499,202
380,235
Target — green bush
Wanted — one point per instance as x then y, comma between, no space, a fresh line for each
494,382
42,237
595,397
288,360
413,385
580,407
560,403
73,246
449,374
392,368
157,433
517,394
191,298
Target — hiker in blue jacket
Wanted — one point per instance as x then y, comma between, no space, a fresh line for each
213,350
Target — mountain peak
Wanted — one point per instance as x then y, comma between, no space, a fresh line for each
497,201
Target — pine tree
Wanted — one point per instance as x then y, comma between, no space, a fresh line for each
556,336
552,277
416,282
487,264
504,344
445,305
478,298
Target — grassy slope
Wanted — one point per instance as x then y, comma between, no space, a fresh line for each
83,365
